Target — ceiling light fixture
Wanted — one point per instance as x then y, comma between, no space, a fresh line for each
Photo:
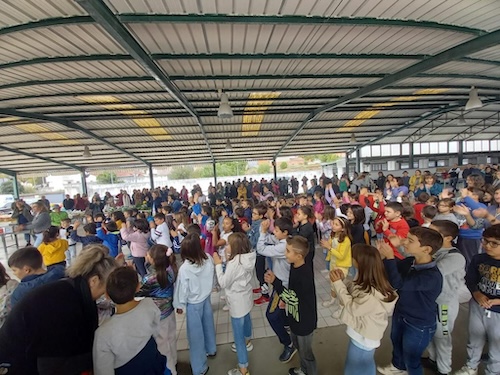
229,146
474,101
353,138
224,110
461,119
86,152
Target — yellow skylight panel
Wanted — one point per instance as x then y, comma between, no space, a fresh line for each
259,102
150,125
46,133
363,116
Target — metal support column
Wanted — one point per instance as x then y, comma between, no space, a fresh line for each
151,177
410,157
275,171
84,182
215,173
347,164
460,152
15,184
358,160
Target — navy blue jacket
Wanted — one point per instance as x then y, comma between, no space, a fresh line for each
148,361
418,286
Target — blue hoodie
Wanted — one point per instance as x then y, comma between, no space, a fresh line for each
84,240
111,240
475,232
30,282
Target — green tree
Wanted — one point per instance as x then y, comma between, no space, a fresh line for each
264,168
106,178
181,172
7,187
327,158
283,165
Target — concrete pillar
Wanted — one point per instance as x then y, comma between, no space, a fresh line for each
346,164
151,177
460,152
410,157
275,170
84,182
215,174
358,161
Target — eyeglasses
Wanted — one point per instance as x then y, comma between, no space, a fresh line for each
492,244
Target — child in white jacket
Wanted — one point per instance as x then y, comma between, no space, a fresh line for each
236,281
366,304
192,294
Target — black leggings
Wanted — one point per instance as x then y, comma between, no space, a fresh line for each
260,268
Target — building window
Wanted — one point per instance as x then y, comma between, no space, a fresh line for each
405,149
405,165
452,147
376,150
395,150
441,163
416,149
432,164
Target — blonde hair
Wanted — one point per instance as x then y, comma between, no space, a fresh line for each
92,261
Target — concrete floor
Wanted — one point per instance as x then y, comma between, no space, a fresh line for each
330,341
330,347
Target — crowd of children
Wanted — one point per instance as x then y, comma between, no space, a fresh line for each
429,246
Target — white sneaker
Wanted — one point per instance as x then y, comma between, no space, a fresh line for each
249,347
466,370
328,303
391,370
236,371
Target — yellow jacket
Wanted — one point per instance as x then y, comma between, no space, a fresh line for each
415,182
340,253
53,252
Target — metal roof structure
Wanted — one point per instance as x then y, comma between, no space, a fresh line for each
138,81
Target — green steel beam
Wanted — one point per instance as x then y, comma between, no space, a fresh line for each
8,172
245,19
230,56
57,109
68,124
242,90
291,19
31,155
424,117
464,49
100,12
248,77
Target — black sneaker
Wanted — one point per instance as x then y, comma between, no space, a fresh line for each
429,364
296,371
287,354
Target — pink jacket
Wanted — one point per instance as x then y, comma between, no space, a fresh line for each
138,241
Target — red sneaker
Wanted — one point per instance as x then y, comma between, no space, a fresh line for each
256,291
261,300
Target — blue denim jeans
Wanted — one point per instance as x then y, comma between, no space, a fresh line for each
409,342
242,331
277,321
359,361
201,334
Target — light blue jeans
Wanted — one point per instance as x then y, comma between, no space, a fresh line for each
242,331
38,239
359,361
201,334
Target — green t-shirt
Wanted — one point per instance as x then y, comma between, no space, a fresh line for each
56,217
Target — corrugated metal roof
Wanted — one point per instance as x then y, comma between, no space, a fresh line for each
71,83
